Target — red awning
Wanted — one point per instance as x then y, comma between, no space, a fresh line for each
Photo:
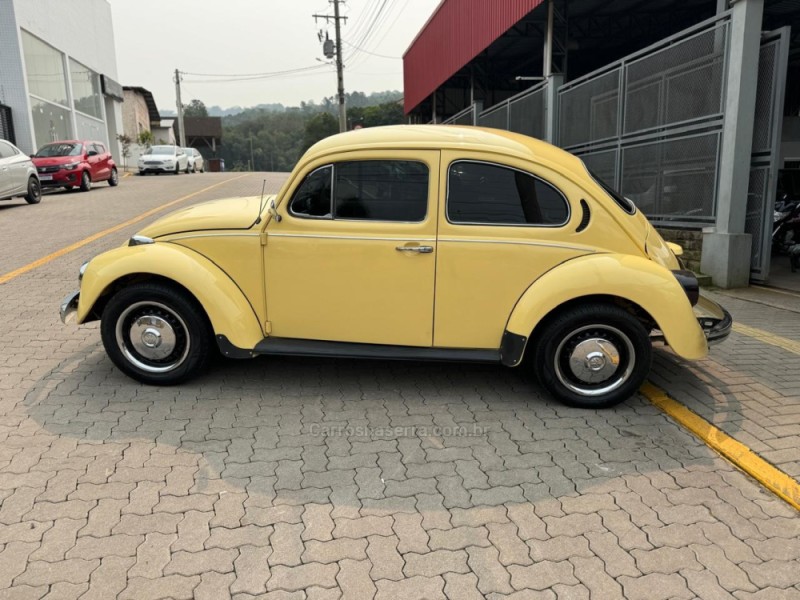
456,33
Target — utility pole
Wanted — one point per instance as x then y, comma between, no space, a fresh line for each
181,128
328,50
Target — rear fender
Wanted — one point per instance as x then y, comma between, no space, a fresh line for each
635,279
226,306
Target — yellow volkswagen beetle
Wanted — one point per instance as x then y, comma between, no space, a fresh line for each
408,242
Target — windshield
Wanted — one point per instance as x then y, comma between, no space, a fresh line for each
59,150
623,202
161,150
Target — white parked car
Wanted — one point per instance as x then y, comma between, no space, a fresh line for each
18,176
163,159
196,162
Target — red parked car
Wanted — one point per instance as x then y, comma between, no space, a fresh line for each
74,163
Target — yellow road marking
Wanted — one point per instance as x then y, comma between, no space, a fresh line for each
767,337
740,455
96,236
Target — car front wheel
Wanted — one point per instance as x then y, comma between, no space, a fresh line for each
34,193
156,334
593,356
86,182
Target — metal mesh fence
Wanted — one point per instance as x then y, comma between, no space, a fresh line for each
497,118
754,221
673,180
589,111
680,83
6,124
604,165
526,114
465,117
762,124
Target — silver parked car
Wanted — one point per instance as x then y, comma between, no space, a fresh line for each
18,176
163,159
196,162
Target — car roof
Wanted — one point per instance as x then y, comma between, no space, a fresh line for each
436,137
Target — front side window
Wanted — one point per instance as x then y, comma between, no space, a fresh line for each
376,190
487,194
313,197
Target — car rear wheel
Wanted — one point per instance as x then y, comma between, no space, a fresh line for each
34,193
86,182
176,169
593,356
156,334
113,181
187,169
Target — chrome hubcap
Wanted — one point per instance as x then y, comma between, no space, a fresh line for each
594,360
152,337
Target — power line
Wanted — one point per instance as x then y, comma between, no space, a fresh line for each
359,49
255,75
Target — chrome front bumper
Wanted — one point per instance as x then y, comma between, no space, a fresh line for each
715,320
69,307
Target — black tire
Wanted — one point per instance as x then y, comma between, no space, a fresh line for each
136,348
86,182
34,194
177,170
593,356
113,181
187,171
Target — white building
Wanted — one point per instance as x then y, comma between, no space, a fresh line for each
58,72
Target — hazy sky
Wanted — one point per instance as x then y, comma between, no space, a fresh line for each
154,37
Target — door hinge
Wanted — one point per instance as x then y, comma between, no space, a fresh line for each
263,239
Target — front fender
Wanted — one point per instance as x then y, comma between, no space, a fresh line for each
227,308
636,279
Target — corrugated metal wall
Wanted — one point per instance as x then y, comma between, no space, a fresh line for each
457,32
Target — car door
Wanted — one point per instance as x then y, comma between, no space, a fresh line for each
103,168
503,223
352,258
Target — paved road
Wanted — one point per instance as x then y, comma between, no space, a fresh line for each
300,478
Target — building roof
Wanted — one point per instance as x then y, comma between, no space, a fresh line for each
456,33
152,109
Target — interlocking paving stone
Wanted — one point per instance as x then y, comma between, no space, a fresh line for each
224,485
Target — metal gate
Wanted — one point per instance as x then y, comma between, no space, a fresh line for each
6,124
651,123
764,164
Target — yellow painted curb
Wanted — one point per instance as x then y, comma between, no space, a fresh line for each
127,175
96,236
740,455
767,337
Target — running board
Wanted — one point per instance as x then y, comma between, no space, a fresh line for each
295,347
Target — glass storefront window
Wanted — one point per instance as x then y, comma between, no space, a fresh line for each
86,89
50,122
44,66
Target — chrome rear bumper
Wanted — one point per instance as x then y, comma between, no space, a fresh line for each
715,320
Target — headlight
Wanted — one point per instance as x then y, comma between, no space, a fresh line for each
70,166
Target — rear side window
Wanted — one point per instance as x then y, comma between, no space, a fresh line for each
487,194
375,190
6,150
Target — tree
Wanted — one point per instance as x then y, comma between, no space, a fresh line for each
145,138
195,108
319,127
125,142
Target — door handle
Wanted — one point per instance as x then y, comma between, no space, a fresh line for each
415,249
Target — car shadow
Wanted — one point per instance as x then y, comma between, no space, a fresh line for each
352,427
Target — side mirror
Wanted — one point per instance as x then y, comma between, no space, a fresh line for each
273,211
